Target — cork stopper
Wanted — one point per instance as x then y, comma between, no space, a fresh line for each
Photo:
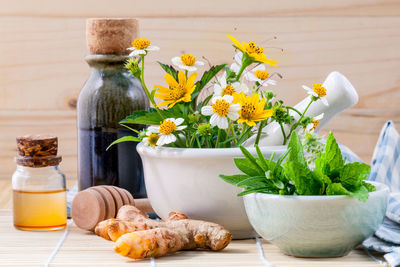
37,151
110,36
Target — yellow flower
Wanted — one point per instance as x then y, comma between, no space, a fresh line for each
254,51
187,62
177,91
140,46
252,109
314,123
318,91
151,139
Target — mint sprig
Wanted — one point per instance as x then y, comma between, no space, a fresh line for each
331,176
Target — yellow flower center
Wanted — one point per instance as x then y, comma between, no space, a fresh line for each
316,123
261,74
153,138
221,107
167,127
141,43
188,59
253,48
228,90
247,111
319,90
177,92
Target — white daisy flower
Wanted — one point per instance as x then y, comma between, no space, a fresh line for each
166,130
220,110
140,46
151,139
260,75
187,62
235,67
318,92
314,123
221,88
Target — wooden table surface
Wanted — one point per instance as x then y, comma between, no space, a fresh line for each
23,248
81,248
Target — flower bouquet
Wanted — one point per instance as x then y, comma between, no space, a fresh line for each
239,106
197,125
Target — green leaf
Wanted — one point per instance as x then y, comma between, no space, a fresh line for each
302,178
124,139
352,174
322,177
263,189
169,69
234,179
250,181
361,193
206,78
370,187
143,117
331,161
133,130
252,159
336,189
261,159
296,149
247,167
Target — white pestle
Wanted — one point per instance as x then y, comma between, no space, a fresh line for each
340,96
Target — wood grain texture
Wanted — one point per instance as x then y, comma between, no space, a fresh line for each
206,8
42,67
81,248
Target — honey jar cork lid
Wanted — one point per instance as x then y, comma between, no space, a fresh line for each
110,36
37,150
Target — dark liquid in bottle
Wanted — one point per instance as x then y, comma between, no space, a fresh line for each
120,165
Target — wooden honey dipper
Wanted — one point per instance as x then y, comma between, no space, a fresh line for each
99,203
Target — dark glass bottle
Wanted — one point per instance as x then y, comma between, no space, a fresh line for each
109,95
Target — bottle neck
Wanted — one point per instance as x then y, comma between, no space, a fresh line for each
107,61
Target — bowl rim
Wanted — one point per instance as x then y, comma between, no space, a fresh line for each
381,187
178,152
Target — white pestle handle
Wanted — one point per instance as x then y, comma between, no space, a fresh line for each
340,96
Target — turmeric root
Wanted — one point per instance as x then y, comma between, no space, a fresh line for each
139,237
149,243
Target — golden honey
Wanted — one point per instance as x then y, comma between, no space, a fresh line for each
40,211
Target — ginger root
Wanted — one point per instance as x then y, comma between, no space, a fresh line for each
139,237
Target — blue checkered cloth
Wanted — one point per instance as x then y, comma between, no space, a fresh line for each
385,168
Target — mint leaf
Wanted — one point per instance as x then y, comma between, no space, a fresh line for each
302,178
352,174
370,187
247,167
361,193
331,161
234,179
296,149
336,189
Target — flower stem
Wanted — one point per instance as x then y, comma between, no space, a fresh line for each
147,90
283,133
262,125
217,142
294,126
233,132
295,110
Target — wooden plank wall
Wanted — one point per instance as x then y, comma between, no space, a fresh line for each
42,49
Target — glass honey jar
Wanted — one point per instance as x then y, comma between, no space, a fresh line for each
39,190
